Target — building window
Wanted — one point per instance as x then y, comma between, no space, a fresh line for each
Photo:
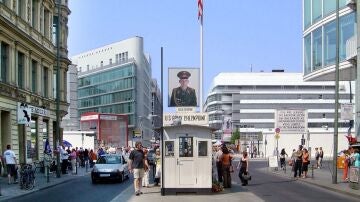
307,13
54,29
4,62
307,53
320,96
35,13
33,76
46,23
110,61
324,116
21,8
316,10
347,30
32,145
45,130
54,85
21,70
45,82
329,6
330,43
317,48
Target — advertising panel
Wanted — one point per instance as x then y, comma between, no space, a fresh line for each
184,87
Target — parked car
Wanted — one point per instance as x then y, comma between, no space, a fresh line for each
110,167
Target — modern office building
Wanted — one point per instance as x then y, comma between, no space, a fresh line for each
156,107
319,42
116,79
28,67
250,101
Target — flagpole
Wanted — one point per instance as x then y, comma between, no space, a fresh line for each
201,58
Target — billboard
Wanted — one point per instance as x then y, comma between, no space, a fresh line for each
184,85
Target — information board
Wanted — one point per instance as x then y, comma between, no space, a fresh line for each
291,120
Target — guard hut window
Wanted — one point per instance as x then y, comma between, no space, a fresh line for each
202,148
169,148
185,147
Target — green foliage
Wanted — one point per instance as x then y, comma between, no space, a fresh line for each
235,135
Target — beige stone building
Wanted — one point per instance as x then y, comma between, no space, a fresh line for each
28,65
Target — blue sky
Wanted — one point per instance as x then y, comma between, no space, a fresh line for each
238,34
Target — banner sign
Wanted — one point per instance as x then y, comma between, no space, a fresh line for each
23,113
39,111
292,120
227,125
347,111
188,118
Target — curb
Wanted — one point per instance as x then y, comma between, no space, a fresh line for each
320,185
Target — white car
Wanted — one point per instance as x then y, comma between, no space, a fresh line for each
110,167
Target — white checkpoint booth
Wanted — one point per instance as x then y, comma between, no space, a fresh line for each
187,159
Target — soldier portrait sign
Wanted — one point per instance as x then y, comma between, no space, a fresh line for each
183,87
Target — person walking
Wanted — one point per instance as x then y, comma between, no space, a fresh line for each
158,167
10,161
317,156
321,156
305,162
244,168
218,163
356,157
136,166
298,161
64,159
283,155
225,159
346,165
93,158
73,161
145,179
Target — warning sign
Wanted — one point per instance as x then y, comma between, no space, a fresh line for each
292,120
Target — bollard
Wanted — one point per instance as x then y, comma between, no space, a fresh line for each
47,174
312,171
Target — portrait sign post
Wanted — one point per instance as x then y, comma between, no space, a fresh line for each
183,87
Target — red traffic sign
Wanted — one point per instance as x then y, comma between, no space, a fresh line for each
277,130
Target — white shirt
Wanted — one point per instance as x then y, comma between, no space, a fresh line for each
9,157
217,155
63,154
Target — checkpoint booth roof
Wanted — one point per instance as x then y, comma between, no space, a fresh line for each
187,159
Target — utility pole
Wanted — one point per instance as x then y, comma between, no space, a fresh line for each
57,135
336,118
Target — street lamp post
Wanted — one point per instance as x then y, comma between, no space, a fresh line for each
57,135
336,118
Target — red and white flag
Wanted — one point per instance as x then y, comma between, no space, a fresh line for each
200,10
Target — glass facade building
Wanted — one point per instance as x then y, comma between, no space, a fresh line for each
319,39
109,91
116,79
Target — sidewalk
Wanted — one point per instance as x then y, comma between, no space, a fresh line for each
321,177
13,190
153,194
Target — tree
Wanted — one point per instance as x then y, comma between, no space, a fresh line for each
235,135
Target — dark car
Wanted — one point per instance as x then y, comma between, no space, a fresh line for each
110,167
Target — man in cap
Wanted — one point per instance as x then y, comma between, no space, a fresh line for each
183,95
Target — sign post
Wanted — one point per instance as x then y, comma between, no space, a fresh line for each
277,136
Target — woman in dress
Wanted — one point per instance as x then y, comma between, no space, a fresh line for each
244,168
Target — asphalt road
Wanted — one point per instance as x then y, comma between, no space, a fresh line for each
79,189
264,186
271,187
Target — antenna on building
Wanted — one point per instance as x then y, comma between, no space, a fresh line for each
250,67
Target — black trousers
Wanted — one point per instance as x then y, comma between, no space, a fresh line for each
219,171
241,172
298,165
64,165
